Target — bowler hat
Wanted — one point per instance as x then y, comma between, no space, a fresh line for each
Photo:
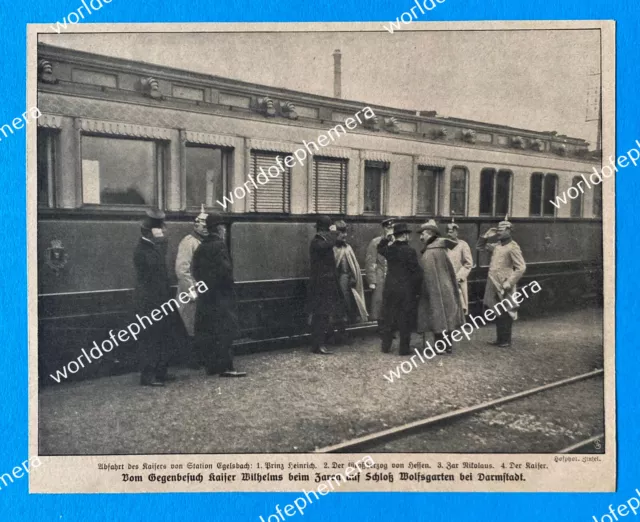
214,219
401,228
154,219
323,222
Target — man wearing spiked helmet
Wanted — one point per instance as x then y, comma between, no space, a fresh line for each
462,261
505,270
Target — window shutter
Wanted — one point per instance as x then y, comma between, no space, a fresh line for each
329,187
275,195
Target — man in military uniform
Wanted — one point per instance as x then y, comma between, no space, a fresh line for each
184,258
506,268
152,291
401,288
376,269
349,281
462,261
216,324
325,302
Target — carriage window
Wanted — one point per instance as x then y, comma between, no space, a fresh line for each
207,174
120,171
535,194
458,195
576,204
329,185
543,188
597,200
374,172
428,181
47,158
550,189
495,192
273,195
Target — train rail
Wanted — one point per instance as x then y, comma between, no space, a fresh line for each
422,425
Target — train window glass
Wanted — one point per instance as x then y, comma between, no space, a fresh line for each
120,171
207,174
597,200
550,189
329,185
576,204
374,172
535,194
503,192
427,191
274,195
47,158
458,195
486,191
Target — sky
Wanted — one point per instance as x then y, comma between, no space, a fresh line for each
531,79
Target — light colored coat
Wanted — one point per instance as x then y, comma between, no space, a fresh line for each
439,308
507,265
186,249
376,268
462,262
357,293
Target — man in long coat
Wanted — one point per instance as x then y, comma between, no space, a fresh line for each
440,309
325,302
186,282
462,261
401,288
349,279
216,323
152,291
505,270
376,269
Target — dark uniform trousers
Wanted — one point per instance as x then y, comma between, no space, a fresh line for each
217,352
404,326
504,324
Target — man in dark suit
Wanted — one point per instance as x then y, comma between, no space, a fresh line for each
216,315
323,291
401,288
152,291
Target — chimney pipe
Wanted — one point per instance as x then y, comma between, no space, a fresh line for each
337,74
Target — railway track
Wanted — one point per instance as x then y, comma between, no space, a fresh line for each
379,439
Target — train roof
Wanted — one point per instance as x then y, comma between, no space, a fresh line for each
238,95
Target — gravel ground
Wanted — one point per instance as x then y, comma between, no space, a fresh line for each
547,422
293,401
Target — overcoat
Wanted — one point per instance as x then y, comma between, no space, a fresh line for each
351,287
440,307
152,280
376,269
507,265
402,283
323,291
462,262
216,312
186,249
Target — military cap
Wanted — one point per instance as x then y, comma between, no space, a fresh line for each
452,226
341,226
154,219
388,222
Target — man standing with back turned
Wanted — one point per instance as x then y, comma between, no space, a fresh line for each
216,314
401,288
505,270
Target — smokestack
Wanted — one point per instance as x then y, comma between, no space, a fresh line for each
337,74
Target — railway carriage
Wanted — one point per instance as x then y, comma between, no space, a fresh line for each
116,137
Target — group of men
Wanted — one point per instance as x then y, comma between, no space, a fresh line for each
210,318
409,293
426,293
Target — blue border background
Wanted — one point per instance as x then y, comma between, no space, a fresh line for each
15,501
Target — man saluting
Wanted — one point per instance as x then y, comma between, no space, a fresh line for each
506,268
401,288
